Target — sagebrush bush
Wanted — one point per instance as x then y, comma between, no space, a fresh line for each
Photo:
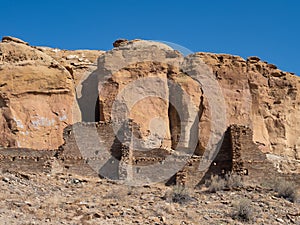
233,180
286,189
215,184
243,210
179,194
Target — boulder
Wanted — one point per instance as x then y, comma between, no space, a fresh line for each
13,39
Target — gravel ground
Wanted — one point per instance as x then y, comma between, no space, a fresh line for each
31,198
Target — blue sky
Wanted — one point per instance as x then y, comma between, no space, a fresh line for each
268,29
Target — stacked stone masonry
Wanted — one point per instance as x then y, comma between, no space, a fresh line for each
84,142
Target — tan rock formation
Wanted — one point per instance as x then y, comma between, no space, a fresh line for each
13,39
37,97
187,87
256,94
80,63
263,97
135,83
148,111
8,125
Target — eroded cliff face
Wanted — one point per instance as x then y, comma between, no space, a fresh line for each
142,81
8,124
256,94
263,97
39,86
80,63
150,112
37,95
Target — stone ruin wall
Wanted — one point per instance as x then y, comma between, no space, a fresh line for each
238,153
83,144
22,159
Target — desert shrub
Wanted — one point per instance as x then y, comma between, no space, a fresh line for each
215,183
179,194
286,189
233,180
243,210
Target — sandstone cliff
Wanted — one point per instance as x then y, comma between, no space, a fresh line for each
38,96
256,94
263,97
37,93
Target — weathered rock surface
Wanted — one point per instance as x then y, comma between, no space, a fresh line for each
13,39
37,97
143,81
134,84
256,94
148,111
261,96
80,63
37,93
